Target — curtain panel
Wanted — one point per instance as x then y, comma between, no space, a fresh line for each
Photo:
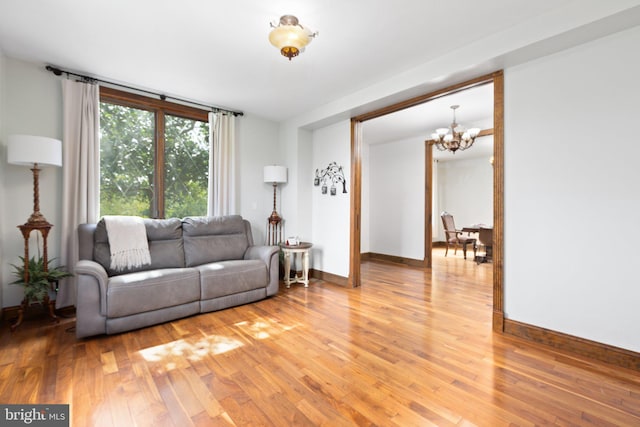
222,160
81,174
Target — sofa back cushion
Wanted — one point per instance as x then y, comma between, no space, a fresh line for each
213,239
165,245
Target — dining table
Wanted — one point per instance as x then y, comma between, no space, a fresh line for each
485,236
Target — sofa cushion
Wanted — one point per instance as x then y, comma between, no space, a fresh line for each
213,239
151,290
231,277
165,246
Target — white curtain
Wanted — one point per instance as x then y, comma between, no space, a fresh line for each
81,173
222,183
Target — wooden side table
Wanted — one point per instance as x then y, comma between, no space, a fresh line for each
289,250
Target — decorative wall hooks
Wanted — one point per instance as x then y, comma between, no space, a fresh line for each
333,175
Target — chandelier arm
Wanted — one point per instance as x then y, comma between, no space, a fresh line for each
468,143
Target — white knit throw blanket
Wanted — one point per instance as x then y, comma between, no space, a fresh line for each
128,241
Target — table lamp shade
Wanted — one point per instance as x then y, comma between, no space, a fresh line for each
275,174
27,150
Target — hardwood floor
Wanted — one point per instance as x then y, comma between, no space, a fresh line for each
408,348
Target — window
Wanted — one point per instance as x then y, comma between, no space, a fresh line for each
154,157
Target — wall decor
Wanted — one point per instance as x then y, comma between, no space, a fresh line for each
331,175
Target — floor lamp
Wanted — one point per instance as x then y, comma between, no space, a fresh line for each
275,175
34,151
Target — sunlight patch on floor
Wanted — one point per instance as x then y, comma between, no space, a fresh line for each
262,329
195,350
213,344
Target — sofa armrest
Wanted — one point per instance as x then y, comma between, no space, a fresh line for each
263,253
99,274
269,255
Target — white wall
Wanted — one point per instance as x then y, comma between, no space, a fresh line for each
465,190
304,198
257,140
330,220
31,103
295,148
396,199
572,186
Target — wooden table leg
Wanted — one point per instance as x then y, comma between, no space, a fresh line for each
305,268
287,268
47,304
50,305
18,322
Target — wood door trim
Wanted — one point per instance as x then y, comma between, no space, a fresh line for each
498,202
428,207
497,78
356,203
421,99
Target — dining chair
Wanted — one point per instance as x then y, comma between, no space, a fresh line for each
455,237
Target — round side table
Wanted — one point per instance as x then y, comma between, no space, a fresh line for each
303,249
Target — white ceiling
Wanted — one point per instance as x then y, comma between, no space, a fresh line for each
218,52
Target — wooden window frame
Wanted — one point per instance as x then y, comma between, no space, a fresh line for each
160,108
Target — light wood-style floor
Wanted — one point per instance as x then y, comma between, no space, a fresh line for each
408,348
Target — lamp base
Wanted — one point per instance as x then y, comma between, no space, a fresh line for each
37,218
275,218
275,226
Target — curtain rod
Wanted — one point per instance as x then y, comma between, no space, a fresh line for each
88,79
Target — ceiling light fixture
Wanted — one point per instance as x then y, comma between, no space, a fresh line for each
458,139
289,36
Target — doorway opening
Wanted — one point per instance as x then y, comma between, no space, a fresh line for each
497,80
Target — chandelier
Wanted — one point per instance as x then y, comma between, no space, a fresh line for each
289,36
458,139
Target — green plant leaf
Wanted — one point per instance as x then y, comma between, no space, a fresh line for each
36,288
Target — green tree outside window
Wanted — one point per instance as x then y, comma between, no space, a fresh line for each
129,153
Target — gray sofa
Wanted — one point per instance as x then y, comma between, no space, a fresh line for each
198,264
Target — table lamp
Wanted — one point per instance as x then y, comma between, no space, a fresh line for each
27,150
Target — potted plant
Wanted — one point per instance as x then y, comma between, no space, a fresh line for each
36,287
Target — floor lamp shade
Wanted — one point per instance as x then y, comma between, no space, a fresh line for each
275,174
27,150
34,151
